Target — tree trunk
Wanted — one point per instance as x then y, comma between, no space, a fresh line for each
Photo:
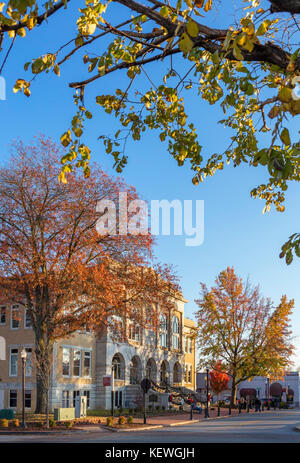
43,354
43,348
233,392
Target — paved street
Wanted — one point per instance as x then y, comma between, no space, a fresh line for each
269,427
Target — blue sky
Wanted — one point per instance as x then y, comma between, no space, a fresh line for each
236,232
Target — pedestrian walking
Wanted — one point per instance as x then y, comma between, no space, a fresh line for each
257,405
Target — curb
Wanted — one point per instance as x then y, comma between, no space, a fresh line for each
145,428
35,433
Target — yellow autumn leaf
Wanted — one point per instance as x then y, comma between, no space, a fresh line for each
192,28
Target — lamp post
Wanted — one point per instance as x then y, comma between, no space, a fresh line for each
286,395
23,357
206,410
112,391
268,391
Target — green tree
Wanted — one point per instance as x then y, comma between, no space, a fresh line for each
249,67
237,327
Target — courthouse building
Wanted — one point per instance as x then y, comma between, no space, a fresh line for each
82,360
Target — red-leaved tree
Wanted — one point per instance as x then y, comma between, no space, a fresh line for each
218,379
54,263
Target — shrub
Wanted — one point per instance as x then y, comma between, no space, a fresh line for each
150,408
180,407
52,423
3,423
130,411
130,420
122,420
157,407
109,421
68,424
39,424
163,407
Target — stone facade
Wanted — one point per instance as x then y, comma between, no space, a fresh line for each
81,360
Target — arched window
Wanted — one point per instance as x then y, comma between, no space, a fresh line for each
118,366
177,373
151,369
163,336
164,373
175,332
135,370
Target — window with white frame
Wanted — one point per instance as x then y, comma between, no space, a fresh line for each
163,335
175,332
2,315
87,362
190,345
13,362
15,317
134,332
13,397
66,361
65,399
76,362
27,318
28,362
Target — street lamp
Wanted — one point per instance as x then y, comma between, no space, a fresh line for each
23,357
268,391
206,410
112,390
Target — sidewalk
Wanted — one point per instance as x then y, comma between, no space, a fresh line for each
184,418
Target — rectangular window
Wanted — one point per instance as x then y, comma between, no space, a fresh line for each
75,394
27,399
190,375
13,398
190,345
65,399
175,341
2,315
185,344
15,317
66,362
13,362
27,319
87,395
28,363
134,332
87,364
163,339
76,362
186,374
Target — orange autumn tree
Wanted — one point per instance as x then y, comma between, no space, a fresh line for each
54,263
218,379
240,328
